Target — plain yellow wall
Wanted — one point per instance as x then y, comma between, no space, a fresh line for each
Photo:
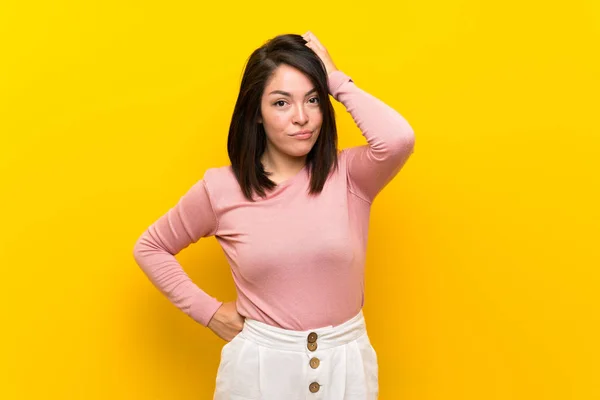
483,260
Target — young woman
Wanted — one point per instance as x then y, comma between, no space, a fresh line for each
291,213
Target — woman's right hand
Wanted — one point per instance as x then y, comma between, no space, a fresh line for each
226,323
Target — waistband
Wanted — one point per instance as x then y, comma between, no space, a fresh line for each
286,339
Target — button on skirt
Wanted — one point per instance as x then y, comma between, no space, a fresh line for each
270,363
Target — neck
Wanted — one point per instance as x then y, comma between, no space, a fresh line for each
280,166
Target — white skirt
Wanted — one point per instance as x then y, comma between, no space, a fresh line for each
270,363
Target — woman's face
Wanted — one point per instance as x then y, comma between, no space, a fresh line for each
290,104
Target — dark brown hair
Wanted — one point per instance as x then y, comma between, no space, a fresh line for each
247,138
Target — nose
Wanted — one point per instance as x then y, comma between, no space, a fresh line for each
300,116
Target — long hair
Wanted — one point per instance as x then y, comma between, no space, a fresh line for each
247,139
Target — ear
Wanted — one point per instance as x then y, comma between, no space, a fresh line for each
259,120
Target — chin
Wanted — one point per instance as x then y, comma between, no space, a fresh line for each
300,151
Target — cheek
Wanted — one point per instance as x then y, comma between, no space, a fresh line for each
317,115
278,124
275,126
280,120
271,117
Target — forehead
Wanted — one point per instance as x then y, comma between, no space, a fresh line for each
289,79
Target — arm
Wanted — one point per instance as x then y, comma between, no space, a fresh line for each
390,138
189,220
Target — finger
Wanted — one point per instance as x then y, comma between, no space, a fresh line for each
309,37
314,48
310,42
314,39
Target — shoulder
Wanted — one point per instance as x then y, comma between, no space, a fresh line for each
347,154
221,184
220,178
216,175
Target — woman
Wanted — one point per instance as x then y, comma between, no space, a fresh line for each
291,213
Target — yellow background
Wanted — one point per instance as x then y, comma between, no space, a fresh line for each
483,261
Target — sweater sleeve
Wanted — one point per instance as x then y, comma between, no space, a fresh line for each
190,219
389,136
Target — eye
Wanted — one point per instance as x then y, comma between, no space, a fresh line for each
283,101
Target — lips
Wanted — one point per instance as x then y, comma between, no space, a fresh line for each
302,136
301,132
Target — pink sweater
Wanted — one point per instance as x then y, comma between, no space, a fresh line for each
297,261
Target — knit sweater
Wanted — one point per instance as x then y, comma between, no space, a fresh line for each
297,260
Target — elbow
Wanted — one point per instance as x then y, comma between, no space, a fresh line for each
139,248
411,142
409,139
137,252
403,142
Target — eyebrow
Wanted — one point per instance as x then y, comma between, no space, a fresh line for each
289,94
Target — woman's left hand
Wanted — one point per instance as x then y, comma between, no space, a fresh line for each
320,50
